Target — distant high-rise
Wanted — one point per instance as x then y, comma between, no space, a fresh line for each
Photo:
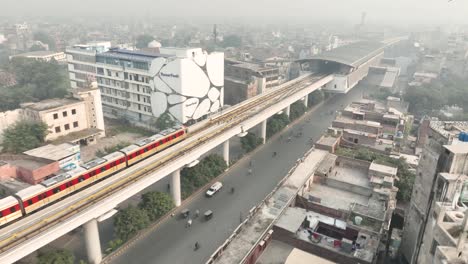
363,18
82,63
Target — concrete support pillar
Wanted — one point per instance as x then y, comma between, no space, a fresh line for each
93,245
226,151
175,187
263,131
462,238
287,110
306,100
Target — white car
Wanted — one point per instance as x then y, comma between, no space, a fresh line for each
214,189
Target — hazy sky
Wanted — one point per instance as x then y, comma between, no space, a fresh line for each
438,11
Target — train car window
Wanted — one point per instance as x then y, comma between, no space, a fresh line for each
56,190
103,168
1,213
12,209
147,149
81,178
30,202
161,142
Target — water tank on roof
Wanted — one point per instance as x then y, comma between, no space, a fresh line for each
463,136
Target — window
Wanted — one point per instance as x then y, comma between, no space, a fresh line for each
55,116
75,124
67,126
57,129
64,113
73,111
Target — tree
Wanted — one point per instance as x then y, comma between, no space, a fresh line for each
36,47
156,204
142,41
315,97
297,110
197,176
129,221
45,38
276,123
23,136
250,142
232,41
165,121
59,256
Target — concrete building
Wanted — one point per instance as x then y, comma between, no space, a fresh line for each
186,84
67,155
80,117
349,64
244,80
82,63
446,233
43,55
443,152
27,168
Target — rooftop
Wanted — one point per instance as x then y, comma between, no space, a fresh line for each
353,54
53,152
49,104
458,148
40,53
449,128
383,169
133,55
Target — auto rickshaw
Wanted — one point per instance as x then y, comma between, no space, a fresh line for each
208,215
185,213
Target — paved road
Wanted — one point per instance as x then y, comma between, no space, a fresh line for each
172,243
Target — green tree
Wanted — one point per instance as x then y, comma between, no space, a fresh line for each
232,41
142,41
114,244
199,175
36,48
315,97
45,38
250,142
165,121
59,256
41,80
24,135
276,123
297,110
156,204
129,221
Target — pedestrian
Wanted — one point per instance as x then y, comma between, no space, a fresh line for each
189,223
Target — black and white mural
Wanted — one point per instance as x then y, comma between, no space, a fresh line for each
187,88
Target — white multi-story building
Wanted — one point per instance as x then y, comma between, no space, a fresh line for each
184,83
82,63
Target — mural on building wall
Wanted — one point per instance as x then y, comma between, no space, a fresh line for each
187,89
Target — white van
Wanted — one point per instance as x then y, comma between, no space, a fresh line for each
214,188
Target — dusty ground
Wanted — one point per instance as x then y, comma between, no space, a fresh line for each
88,152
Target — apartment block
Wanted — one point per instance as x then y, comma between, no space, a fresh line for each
445,151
